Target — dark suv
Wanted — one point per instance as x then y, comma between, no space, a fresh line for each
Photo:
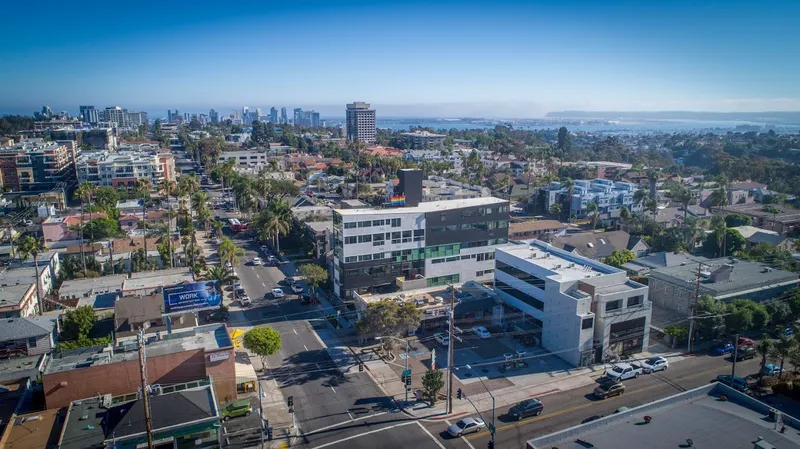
528,407
744,353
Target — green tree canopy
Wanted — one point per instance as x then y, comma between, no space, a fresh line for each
711,323
387,317
734,241
78,322
620,257
736,220
262,341
432,383
314,274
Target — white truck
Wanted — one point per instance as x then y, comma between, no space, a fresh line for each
622,371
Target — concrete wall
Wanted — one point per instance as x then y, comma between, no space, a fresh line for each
123,378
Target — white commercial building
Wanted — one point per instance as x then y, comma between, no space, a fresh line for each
126,168
360,122
585,310
423,140
245,158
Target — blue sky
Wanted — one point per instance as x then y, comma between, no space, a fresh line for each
499,59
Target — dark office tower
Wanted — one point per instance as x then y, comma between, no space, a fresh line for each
273,115
410,186
89,115
284,118
213,116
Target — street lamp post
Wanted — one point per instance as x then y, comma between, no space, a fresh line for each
493,404
405,387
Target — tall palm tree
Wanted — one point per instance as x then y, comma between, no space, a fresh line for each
625,215
652,179
279,219
783,348
188,185
594,210
32,247
84,193
720,229
638,199
683,195
650,204
143,188
229,252
569,184
167,188
764,349
164,232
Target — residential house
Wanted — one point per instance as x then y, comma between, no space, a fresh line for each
60,232
533,229
101,292
599,245
27,336
780,218
773,239
663,259
134,313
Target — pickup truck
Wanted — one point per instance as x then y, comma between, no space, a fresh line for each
622,371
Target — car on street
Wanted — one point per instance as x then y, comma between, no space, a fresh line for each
217,316
240,291
264,249
272,261
745,353
608,390
256,261
297,288
237,285
441,338
236,409
289,280
622,371
722,349
245,301
770,369
526,408
305,298
465,426
735,382
277,293
654,364
481,332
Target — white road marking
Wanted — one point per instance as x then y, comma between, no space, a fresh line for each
343,423
363,434
351,415
334,391
431,435
304,345
295,331
264,284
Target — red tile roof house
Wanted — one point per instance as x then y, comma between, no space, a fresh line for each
57,231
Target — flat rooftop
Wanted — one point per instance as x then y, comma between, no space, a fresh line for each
697,414
81,287
210,337
15,368
786,214
746,276
431,206
34,430
567,266
153,279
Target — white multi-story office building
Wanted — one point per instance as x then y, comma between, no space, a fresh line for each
245,158
583,310
360,121
430,244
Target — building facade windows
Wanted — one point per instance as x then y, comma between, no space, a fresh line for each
522,296
521,275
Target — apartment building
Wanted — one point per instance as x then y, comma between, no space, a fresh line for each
36,165
420,245
580,309
423,140
126,168
360,122
245,158
609,196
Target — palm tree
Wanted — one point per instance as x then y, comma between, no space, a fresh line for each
84,193
783,348
279,219
683,195
143,188
187,186
625,215
591,208
650,204
229,252
720,229
555,209
167,188
638,198
652,179
31,246
569,184
164,232
764,349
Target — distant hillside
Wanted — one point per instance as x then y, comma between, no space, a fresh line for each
763,117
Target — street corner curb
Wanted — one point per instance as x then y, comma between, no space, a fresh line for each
544,393
442,418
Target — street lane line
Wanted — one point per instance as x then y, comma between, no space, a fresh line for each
295,331
343,423
306,347
350,415
363,434
264,284
430,435
334,391
589,404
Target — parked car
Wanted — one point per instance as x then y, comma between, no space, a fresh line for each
289,280
237,285
744,342
272,261
622,371
745,353
264,249
608,390
297,288
481,331
256,261
305,298
771,369
277,293
722,349
528,407
443,339
240,291
245,301
236,409
654,364
465,426
217,316
734,382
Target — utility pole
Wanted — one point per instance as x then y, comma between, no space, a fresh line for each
735,353
692,307
261,413
148,421
450,344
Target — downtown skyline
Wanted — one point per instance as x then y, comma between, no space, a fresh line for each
444,60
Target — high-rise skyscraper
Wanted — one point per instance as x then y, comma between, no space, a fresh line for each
273,115
213,116
315,119
360,122
186,117
284,118
89,114
298,116
173,116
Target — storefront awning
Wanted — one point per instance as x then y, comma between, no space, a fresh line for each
245,373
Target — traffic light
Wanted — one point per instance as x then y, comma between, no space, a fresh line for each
360,367
290,401
491,445
408,380
458,394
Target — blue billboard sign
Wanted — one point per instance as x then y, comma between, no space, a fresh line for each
195,296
